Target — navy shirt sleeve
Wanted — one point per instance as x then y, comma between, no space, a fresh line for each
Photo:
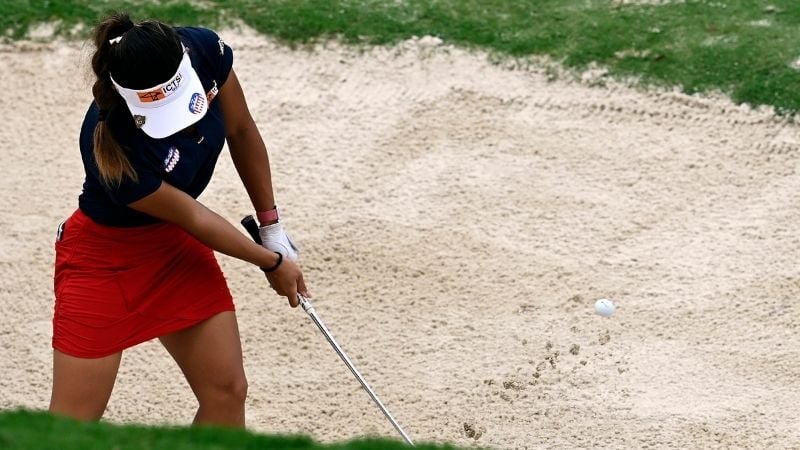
107,204
141,158
211,52
148,179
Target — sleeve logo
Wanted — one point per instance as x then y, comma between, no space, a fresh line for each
212,93
173,156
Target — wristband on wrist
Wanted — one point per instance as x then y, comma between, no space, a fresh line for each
267,216
275,267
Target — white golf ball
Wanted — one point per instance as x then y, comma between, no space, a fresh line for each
604,307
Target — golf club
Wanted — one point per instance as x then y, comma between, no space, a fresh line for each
251,226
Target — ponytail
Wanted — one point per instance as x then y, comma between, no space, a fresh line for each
120,48
112,162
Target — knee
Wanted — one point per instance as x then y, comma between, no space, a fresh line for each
238,389
231,391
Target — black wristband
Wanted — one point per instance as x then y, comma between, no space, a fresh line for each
277,264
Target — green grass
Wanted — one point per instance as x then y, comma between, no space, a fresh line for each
38,430
742,48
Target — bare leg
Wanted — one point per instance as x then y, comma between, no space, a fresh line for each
82,386
210,356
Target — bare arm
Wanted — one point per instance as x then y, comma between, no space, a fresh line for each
248,152
173,205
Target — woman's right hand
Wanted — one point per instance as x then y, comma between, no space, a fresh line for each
287,281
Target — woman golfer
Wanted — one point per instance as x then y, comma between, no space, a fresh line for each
135,261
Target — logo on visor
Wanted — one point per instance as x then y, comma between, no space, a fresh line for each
161,92
196,103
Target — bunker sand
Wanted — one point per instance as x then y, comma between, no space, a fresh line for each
457,220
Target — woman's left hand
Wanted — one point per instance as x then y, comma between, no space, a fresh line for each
287,281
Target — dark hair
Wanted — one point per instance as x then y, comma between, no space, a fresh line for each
147,54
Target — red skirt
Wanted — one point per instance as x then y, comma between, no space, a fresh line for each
118,287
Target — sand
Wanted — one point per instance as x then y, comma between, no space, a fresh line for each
458,218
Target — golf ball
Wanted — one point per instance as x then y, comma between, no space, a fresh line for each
604,307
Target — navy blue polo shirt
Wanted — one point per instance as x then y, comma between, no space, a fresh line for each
184,160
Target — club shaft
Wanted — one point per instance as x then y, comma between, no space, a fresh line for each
308,308
251,226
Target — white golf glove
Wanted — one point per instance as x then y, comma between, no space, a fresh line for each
274,237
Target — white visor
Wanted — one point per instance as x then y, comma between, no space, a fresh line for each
169,107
